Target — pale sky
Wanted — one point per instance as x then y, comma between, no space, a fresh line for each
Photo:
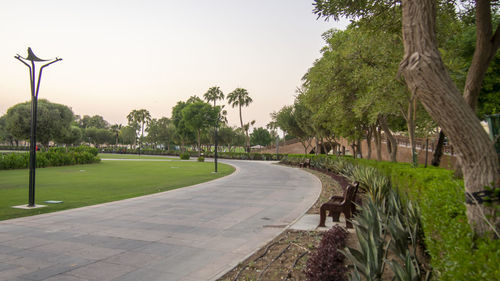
131,54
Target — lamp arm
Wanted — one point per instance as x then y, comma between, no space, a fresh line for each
40,74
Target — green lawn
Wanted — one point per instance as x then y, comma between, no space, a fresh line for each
84,185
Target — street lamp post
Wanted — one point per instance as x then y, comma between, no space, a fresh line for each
35,86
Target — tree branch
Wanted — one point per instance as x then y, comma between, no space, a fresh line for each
495,40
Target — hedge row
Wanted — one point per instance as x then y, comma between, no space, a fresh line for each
16,148
51,157
222,155
455,253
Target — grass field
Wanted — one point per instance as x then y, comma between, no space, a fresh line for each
84,185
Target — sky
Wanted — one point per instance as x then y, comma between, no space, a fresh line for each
124,55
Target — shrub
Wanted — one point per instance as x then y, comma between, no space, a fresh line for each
14,161
185,155
455,253
327,263
201,159
59,156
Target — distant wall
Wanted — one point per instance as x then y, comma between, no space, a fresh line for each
404,152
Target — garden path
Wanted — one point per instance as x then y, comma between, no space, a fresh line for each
193,233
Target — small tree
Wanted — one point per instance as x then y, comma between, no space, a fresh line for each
199,116
260,136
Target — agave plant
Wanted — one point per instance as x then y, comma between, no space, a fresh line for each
369,261
410,271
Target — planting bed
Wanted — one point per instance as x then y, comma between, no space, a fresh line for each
285,257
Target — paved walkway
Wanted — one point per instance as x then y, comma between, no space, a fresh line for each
193,233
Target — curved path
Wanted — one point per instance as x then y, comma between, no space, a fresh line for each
193,233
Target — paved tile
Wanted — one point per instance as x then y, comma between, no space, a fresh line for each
101,271
192,233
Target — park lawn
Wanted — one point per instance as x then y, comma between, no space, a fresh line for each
135,156
84,185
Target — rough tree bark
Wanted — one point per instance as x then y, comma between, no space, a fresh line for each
426,77
359,151
369,135
390,139
378,141
438,151
410,116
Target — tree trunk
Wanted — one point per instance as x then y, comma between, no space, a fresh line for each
410,123
486,46
426,77
198,135
323,145
392,143
353,147
369,142
317,149
358,148
438,151
378,141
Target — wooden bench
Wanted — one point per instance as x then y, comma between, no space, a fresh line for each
340,204
305,163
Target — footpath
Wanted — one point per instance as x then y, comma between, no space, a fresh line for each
193,233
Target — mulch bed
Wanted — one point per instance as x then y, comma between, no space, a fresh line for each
285,257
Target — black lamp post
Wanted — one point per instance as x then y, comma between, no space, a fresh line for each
216,141
35,86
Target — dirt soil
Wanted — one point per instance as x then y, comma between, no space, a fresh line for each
286,256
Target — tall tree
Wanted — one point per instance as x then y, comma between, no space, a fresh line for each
140,118
213,95
183,133
427,78
54,121
128,135
199,116
239,97
260,136
95,121
161,131
116,131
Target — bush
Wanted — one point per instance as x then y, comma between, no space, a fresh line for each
185,155
59,156
327,263
449,240
201,159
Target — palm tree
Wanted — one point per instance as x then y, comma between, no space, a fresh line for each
213,94
240,97
116,130
139,118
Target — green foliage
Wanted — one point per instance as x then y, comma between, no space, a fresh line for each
369,260
199,116
14,161
260,136
161,131
98,136
185,155
53,122
201,159
53,157
455,253
95,121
